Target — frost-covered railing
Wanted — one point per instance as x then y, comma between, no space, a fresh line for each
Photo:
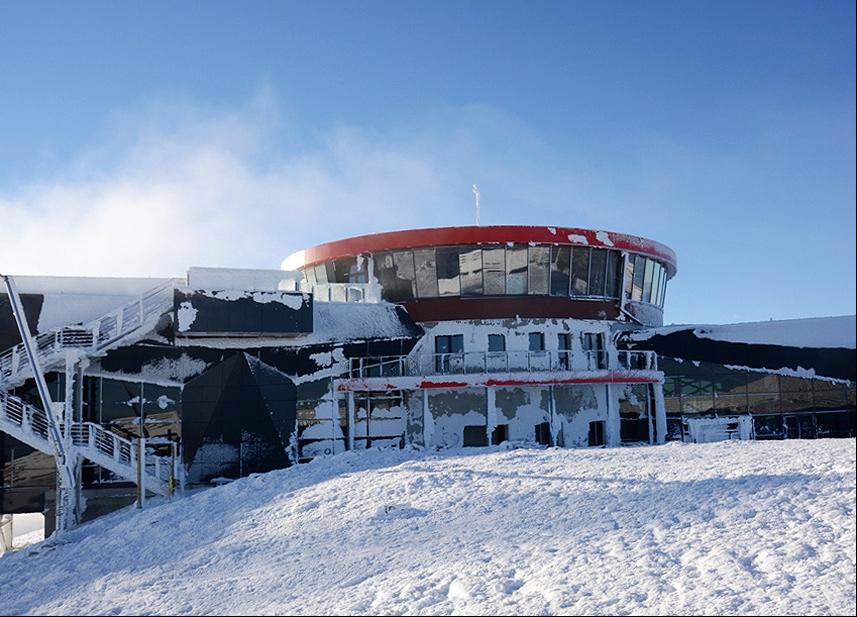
501,362
94,442
90,338
344,292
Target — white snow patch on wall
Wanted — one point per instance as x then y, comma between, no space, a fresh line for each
578,239
186,316
604,238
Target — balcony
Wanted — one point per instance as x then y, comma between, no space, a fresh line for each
482,362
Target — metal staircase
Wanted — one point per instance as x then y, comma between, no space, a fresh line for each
52,430
92,441
120,326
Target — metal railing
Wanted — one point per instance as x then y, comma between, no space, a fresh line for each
93,441
368,293
476,362
91,338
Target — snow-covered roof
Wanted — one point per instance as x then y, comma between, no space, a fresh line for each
814,332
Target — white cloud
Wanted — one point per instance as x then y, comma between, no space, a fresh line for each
175,184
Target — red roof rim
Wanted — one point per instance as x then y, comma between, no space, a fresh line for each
487,234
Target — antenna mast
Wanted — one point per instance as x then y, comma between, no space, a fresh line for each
476,193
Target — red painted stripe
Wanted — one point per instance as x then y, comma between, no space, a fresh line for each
492,234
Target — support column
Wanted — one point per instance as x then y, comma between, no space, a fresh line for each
613,438
660,414
490,413
553,423
350,420
428,421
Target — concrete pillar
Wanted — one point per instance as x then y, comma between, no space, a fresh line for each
660,414
613,425
490,413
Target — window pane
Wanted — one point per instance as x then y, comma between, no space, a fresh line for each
730,404
496,342
537,341
309,274
663,291
494,271
560,264
424,262
321,273
516,271
597,272
342,269
639,275
656,283
759,382
538,262
580,271
448,282
629,275
764,403
395,272
647,282
614,261
470,265
829,396
697,404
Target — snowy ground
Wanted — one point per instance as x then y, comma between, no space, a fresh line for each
764,527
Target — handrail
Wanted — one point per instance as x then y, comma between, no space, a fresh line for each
466,362
93,441
92,337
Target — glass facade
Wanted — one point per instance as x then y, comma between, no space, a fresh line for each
711,389
510,270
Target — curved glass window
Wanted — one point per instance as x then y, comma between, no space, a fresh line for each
614,265
560,270
396,274
426,272
516,271
647,281
597,272
470,266
494,271
580,271
448,281
538,269
639,275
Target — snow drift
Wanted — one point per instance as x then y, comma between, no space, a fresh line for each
759,527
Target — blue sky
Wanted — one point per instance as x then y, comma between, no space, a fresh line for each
143,138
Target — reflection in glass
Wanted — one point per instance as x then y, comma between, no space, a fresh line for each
597,272
614,261
560,265
647,281
538,263
629,275
321,274
580,271
516,271
639,274
424,263
448,282
656,283
395,272
494,271
470,265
